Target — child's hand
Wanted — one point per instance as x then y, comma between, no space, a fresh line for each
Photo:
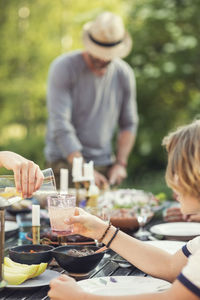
174,214
193,218
64,287
87,224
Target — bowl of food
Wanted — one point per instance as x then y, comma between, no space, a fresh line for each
124,218
31,254
123,205
21,207
77,259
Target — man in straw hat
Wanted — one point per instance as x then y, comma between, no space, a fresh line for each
90,93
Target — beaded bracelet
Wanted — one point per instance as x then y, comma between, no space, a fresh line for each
112,238
104,234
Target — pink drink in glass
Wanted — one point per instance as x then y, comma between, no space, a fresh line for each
61,207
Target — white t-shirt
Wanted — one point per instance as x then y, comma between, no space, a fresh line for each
190,275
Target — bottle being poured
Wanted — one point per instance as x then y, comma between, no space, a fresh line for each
9,194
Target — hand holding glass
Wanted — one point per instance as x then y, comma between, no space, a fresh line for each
61,207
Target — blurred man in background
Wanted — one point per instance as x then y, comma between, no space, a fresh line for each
90,93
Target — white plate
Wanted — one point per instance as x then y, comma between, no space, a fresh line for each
123,285
169,246
39,281
11,226
177,229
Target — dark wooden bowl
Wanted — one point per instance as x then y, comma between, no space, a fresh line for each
77,265
22,254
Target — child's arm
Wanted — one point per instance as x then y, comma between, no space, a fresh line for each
149,259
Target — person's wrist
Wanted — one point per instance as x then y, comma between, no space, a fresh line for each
121,163
101,231
109,235
105,232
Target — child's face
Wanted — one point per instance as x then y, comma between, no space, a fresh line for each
189,204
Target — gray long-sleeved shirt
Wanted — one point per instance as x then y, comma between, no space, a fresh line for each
84,109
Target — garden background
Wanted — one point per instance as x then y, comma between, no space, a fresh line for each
165,58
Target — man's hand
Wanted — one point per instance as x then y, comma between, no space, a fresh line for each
71,156
64,287
100,180
117,174
28,176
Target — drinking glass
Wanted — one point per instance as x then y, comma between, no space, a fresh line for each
61,207
48,187
142,212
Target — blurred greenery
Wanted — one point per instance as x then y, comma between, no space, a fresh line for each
153,181
165,57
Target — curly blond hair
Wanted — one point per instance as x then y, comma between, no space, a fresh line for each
183,169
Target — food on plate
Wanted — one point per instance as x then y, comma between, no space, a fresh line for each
122,203
124,213
161,197
22,204
15,273
41,268
126,198
124,218
33,251
10,192
14,279
80,253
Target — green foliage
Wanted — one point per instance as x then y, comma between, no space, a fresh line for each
165,57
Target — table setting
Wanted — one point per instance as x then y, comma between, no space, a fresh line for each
123,285
181,231
40,238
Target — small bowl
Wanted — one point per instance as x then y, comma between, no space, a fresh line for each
125,219
22,254
77,265
15,212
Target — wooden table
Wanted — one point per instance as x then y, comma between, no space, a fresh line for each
106,267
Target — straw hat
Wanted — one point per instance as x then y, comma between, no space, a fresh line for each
106,37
